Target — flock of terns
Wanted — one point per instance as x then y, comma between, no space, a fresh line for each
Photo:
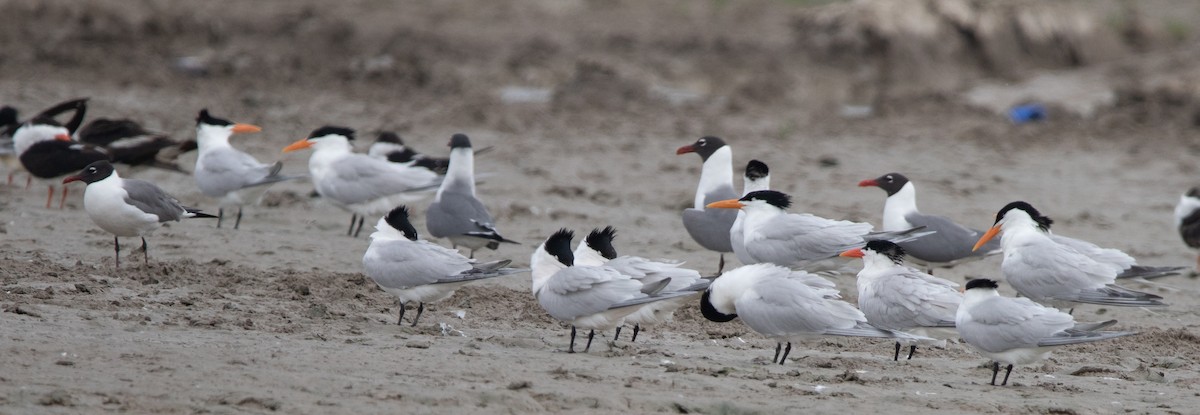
781,291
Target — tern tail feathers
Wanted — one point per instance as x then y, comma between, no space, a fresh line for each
899,236
867,330
649,299
1115,296
1073,337
655,287
1092,326
196,213
1148,272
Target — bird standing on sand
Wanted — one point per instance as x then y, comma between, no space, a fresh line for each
417,270
757,177
127,207
364,185
224,172
456,214
47,152
1017,331
710,227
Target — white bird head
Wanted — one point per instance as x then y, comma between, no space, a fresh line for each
1016,216
327,137
37,131
211,130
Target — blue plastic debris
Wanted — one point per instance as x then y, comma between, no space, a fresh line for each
1022,114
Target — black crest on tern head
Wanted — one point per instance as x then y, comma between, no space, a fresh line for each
756,170
601,241
398,218
330,129
460,141
389,137
97,171
777,199
707,145
891,182
559,245
1194,192
709,312
205,118
887,248
982,283
1042,221
8,116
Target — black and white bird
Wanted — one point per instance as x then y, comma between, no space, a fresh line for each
897,297
231,175
1187,219
597,250
1017,331
128,142
587,297
949,245
787,306
710,227
416,270
10,121
364,185
47,152
1053,273
456,213
388,145
800,240
757,177
127,207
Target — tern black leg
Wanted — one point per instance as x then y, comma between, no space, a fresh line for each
353,217
636,329
1006,373
896,358
786,350
911,349
360,224
995,370
591,333
145,252
571,349
472,255
238,222
618,336
220,216
400,321
420,309
778,348
117,251
1071,311
721,264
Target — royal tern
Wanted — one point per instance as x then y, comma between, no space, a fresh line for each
417,270
757,177
127,207
224,172
710,227
950,245
803,241
786,306
364,185
597,250
456,214
1016,331
587,297
896,297
1187,219
1053,273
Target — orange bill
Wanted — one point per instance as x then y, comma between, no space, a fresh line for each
246,128
853,253
726,204
868,183
991,233
299,145
685,149
62,137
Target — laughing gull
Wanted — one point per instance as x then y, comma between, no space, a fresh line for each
710,227
1053,273
364,185
786,306
224,172
597,250
127,207
949,245
1016,331
802,241
896,297
417,270
456,213
587,297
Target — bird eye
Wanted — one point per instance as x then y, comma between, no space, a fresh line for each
700,141
91,169
889,178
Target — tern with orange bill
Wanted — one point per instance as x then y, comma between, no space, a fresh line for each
364,185
800,240
224,172
1053,273
710,227
757,177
